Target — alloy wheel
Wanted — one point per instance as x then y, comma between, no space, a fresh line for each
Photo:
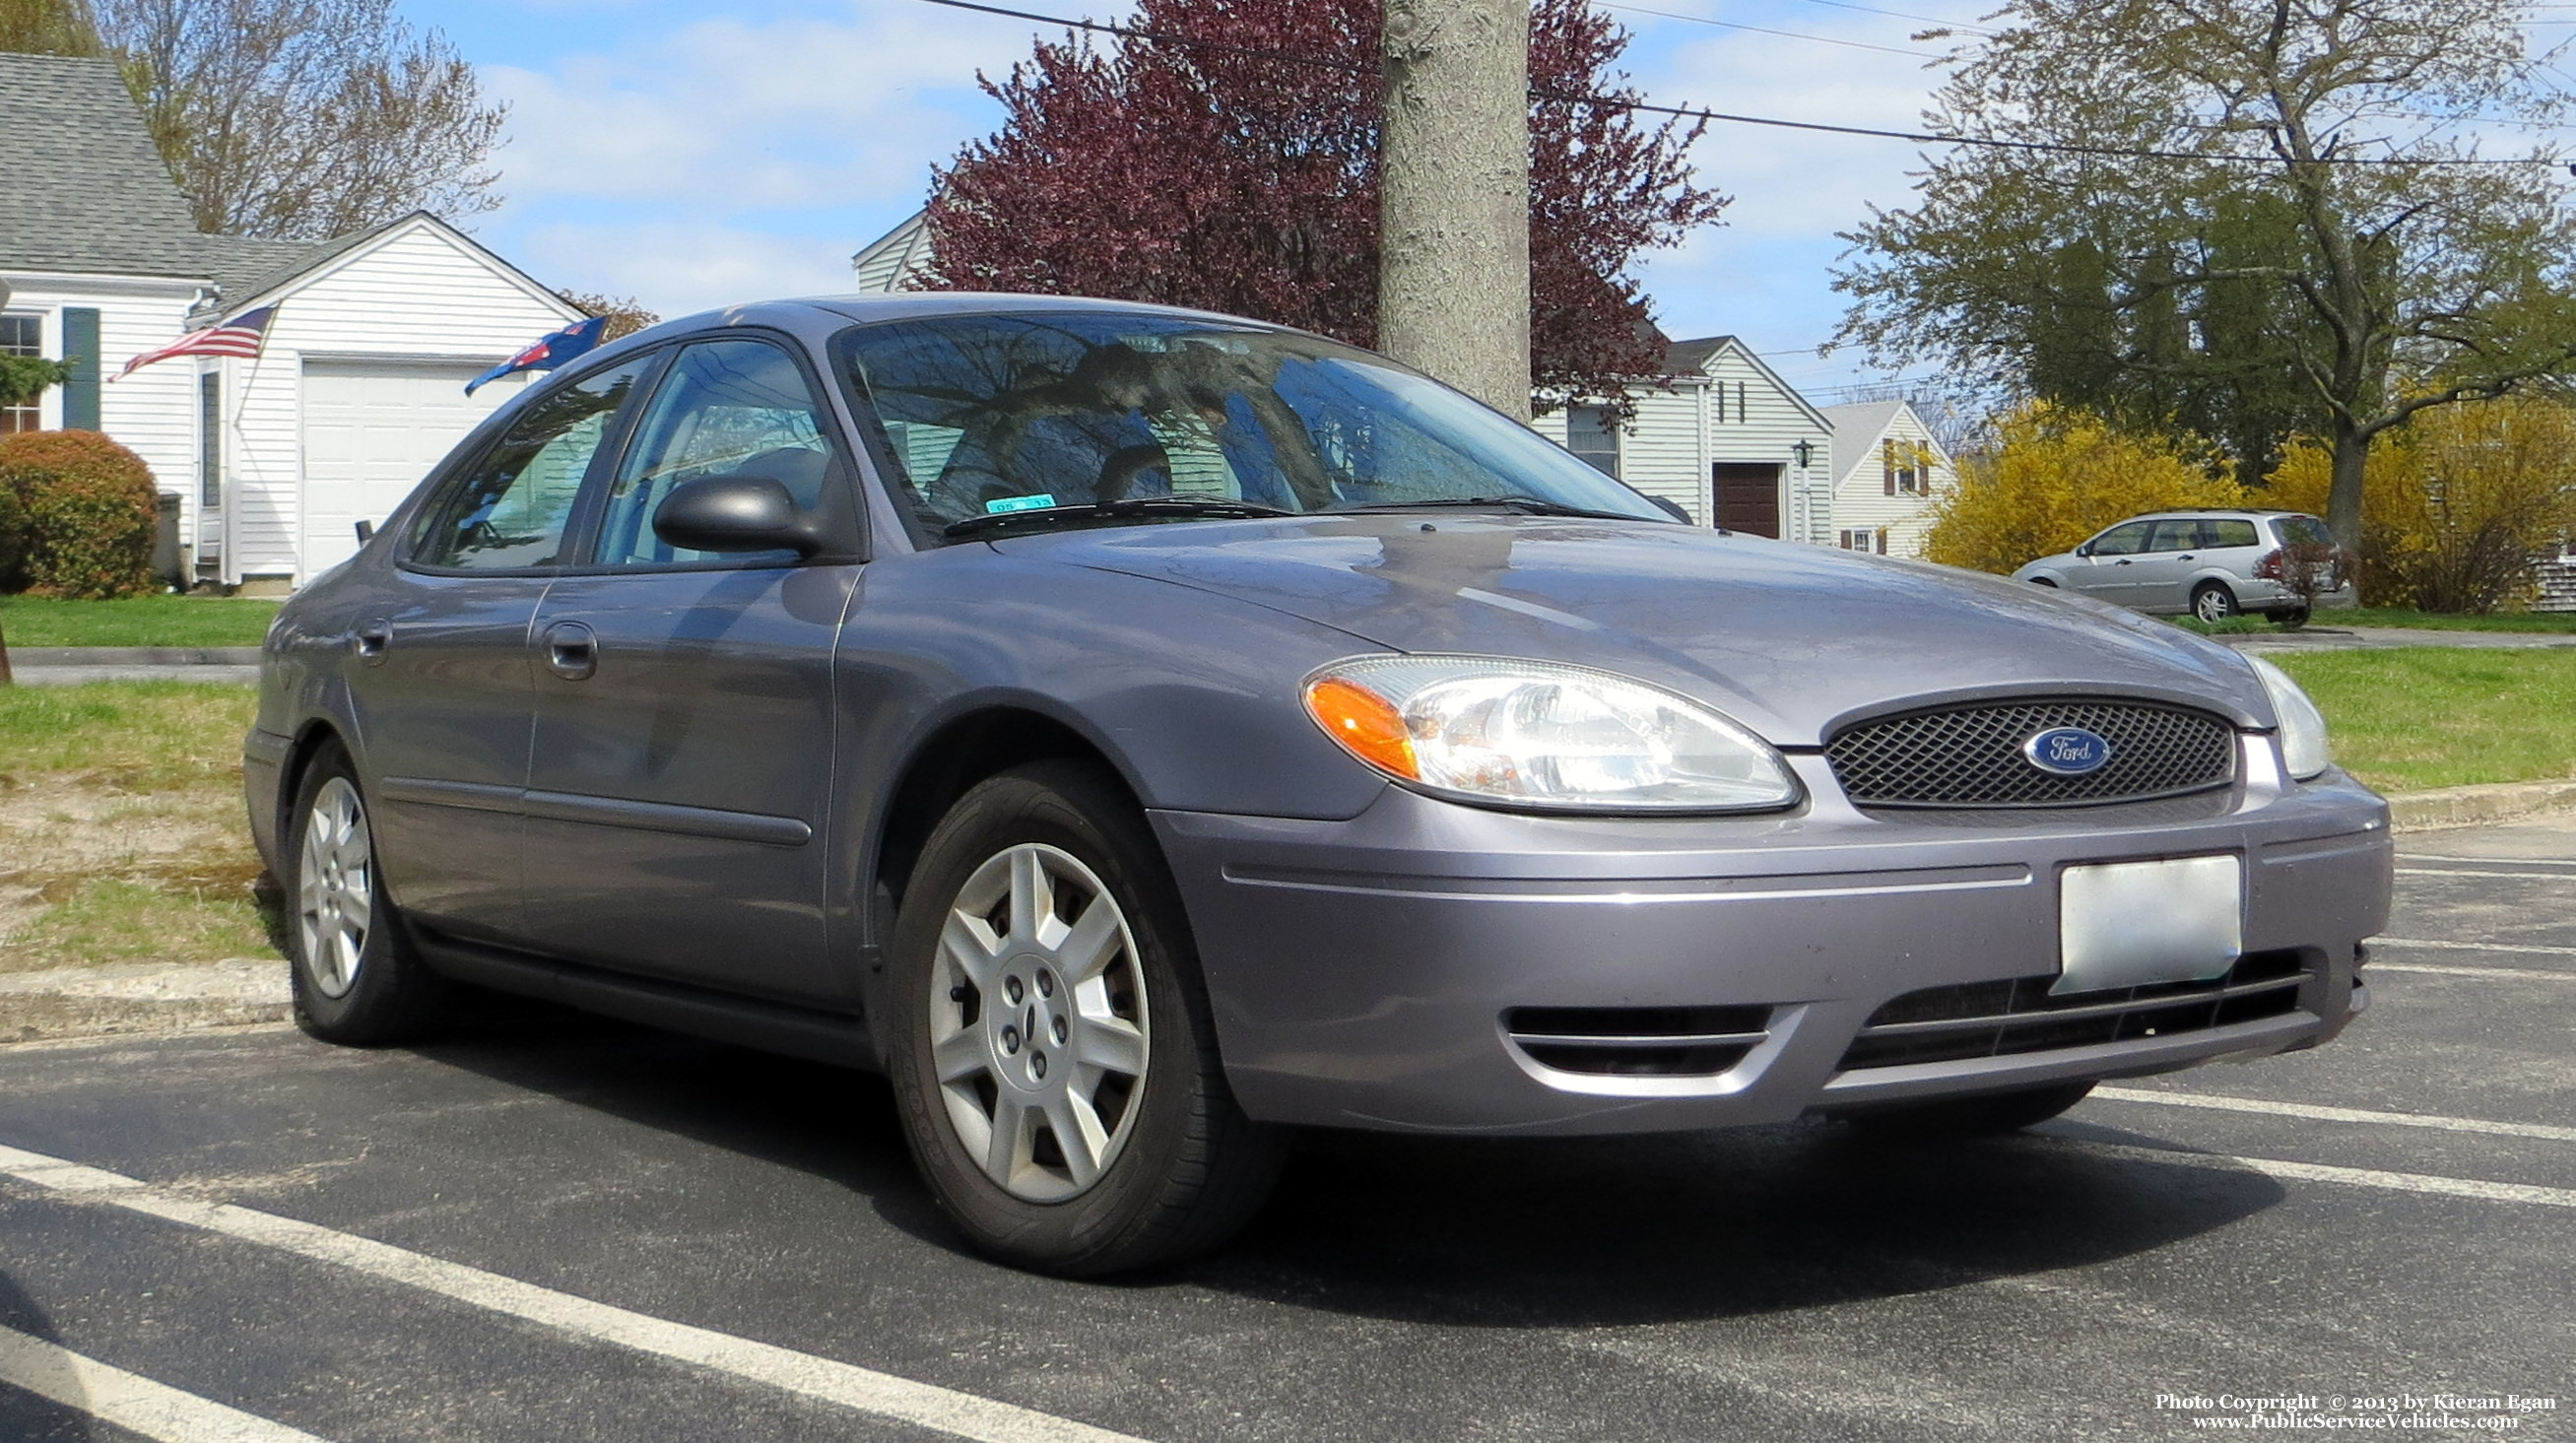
1038,1026
335,887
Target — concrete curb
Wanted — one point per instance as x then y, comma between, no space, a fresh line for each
45,656
140,997
2472,806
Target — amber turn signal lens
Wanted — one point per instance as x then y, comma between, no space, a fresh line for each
1365,723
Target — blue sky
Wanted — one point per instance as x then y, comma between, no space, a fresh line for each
691,158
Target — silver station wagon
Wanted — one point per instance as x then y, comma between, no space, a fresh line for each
1140,732
2209,564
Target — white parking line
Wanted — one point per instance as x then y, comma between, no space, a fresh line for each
2472,946
2351,1176
2338,1114
135,1404
2464,872
864,1390
2525,974
2490,861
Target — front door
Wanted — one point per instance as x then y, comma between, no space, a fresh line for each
682,756
441,684
1748,497
2109,569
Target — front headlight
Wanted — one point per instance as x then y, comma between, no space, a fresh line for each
1543,735
2303,727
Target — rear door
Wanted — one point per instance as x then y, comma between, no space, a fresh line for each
682,753
2160,579
442,684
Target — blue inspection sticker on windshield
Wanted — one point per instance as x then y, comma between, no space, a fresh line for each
1018,503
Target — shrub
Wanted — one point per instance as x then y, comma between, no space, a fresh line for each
85,516
2458,507
2054,477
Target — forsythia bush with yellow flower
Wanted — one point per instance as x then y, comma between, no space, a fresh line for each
2459,504
2054,477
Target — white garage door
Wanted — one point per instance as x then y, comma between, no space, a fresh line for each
372,430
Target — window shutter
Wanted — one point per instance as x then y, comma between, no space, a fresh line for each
1887,466
1882,541
80,350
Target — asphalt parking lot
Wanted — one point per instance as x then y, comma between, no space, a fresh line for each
556,1229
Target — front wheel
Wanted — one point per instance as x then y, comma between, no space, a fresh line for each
2211,601
1054,1055
353,975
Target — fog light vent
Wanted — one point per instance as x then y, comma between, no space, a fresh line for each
1637,1041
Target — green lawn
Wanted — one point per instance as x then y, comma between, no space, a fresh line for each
121,829
136,621
2555,621
2412,717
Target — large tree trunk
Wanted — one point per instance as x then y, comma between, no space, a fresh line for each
2343,498
1453,165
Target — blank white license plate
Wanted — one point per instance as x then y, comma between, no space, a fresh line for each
2128,924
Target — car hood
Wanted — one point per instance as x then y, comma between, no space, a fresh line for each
1790,640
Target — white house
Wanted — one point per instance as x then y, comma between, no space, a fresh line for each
358,391
1724,437
1888,470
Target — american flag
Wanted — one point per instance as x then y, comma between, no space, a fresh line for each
241,336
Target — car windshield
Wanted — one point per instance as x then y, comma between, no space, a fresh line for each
1050,418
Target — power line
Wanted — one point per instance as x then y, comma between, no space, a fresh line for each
1763,30
1296,57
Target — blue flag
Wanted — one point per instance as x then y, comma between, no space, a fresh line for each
556,348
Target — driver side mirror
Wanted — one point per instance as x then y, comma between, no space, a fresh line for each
2084,550
732,514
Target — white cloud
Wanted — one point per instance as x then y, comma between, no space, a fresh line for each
733,158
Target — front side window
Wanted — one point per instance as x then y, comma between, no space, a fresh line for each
21,336
508,510
725,408
2127,539
1059,413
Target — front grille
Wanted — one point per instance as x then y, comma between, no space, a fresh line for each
1638,1041
1970,756
2017,1015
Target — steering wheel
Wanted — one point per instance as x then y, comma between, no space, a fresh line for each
1119,470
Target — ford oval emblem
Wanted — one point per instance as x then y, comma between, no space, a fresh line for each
2068,751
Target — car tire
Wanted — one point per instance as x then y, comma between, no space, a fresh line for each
1983,1116
353,975
2212,602
2043,581
2293,618
1002,963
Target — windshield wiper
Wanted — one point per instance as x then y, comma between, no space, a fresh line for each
1527,505
1132,506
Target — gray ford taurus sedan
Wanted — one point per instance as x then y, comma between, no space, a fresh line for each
1136,731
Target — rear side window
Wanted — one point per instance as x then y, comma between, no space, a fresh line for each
508,509
725,408
2231,533
2175,536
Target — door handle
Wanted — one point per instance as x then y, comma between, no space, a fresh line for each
371,640
572,650
2123,561
2186,556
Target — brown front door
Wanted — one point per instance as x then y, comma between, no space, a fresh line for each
1748,496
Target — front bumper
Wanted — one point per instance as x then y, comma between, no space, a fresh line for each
1361,971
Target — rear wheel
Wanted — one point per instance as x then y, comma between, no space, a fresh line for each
2293,618
353,975
1985,1116
1054,1054
2212,601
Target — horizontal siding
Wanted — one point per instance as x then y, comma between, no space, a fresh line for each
417,294
1766,429
152,412
1861,499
